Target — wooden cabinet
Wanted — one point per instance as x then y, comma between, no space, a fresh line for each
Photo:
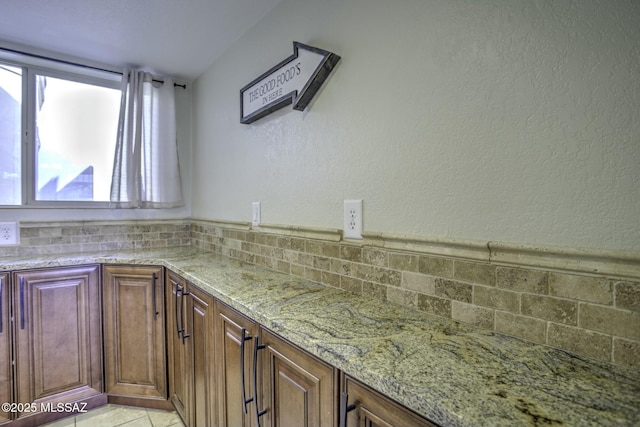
6,374
178,366
265,381
58,339
201,330
297,388
190,328
234,360
362,406
223,368
134,335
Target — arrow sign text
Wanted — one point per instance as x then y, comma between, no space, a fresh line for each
294,80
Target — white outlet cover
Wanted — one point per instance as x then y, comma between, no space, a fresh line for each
352,219
255,214
9,233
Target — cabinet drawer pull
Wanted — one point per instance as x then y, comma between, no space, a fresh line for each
175,312
244,337
22,303
153,295
183,329
344,408
257,346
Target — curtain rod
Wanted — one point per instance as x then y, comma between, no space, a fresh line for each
75,64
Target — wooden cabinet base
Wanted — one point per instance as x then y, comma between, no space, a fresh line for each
141,402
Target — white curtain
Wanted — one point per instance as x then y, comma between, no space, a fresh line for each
146,173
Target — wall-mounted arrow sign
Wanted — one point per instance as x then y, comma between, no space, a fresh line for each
294,80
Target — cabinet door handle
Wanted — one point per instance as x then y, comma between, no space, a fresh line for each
257,346
175,312
244,337
22,303
344,408
153,294
184,330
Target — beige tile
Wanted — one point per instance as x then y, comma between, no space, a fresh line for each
441,267
297,270
381,275
163,418
628,295
621,323
109,416
322,263
330,279
522,327
305,259
584,288
350,284
65,422
351,253
374,290
580,341
435,305
469,313
313,274
451,289
402,296
375,257
343,268
138,422
626,352
419,282
549,308
403,262
496,298
522,280
322,248
483,274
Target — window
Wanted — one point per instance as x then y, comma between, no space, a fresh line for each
10,134
67,118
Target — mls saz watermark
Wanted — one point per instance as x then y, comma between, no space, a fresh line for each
78,407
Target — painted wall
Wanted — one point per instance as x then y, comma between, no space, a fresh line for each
513,121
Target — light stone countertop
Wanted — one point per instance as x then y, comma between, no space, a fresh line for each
451,373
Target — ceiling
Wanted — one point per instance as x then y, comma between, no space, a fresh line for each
170,37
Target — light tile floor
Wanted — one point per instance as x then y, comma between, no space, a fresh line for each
118,415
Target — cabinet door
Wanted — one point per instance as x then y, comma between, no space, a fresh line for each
58,351
134,318
180,366
233,363
200,330
372,409
298,389
5,350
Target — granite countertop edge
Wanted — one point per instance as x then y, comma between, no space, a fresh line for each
451,373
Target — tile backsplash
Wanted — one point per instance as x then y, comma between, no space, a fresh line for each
586,313
590,308
43,238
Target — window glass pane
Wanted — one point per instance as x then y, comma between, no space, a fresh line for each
10,135
75,139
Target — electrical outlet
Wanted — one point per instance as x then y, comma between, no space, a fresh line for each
352,219
8,233
255,214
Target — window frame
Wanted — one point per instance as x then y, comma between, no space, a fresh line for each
36,65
